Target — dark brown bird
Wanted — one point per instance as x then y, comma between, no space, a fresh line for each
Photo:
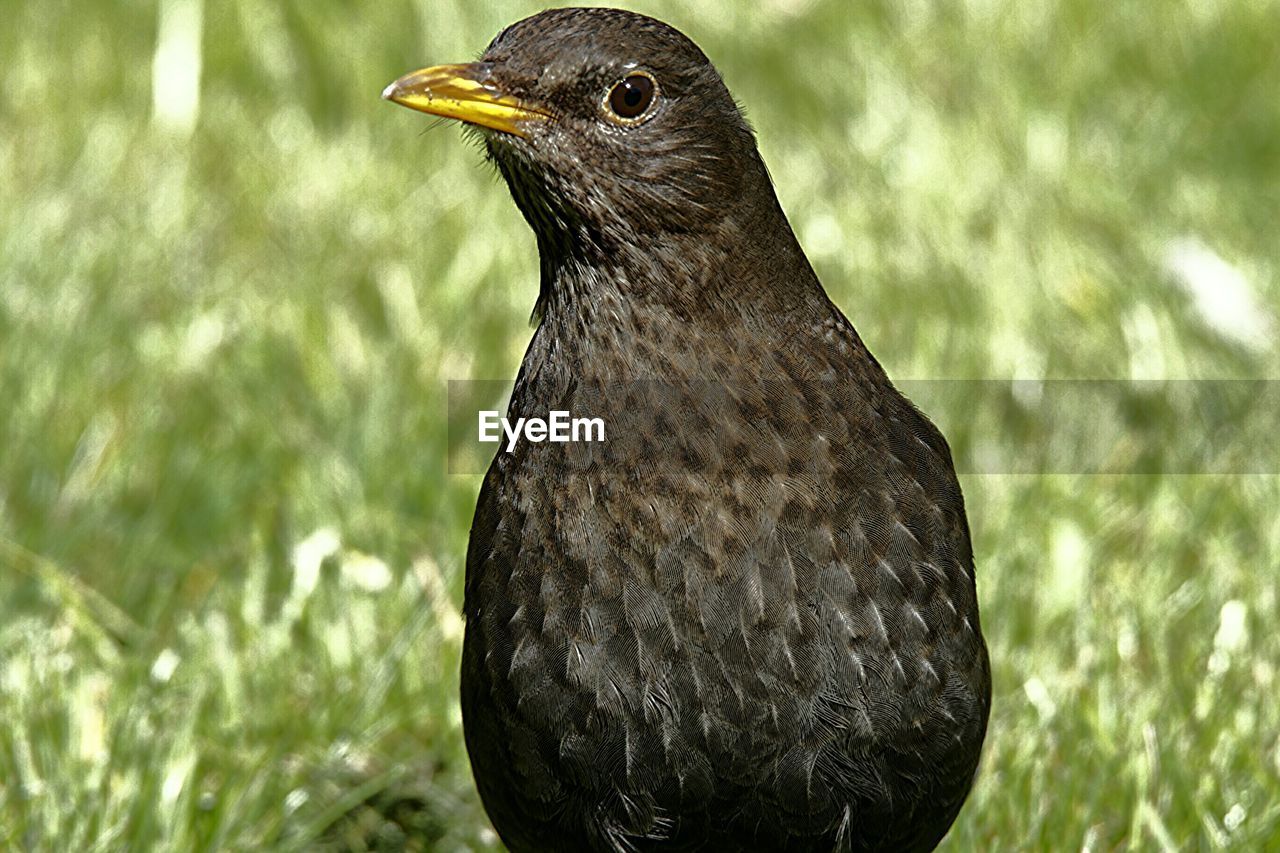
747,619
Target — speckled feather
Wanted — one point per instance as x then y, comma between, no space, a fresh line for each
747,620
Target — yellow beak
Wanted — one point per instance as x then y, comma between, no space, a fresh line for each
463,92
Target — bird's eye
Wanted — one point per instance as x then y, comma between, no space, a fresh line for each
628,102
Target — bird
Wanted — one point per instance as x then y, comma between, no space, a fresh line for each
747,618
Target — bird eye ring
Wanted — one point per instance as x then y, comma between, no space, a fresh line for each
630,101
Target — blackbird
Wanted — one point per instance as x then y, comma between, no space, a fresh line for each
746,620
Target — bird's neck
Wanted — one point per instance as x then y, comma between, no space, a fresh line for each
658,302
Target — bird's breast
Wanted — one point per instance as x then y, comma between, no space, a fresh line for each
752,586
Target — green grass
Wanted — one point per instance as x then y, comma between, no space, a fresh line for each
229,548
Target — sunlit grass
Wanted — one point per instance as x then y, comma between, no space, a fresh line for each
229,549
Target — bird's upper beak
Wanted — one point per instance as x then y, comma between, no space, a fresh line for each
464,92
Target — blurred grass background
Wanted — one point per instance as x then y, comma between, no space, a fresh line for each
233,284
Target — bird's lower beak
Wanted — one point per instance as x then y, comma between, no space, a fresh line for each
463,92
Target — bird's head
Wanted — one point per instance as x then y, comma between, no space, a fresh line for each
610,127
